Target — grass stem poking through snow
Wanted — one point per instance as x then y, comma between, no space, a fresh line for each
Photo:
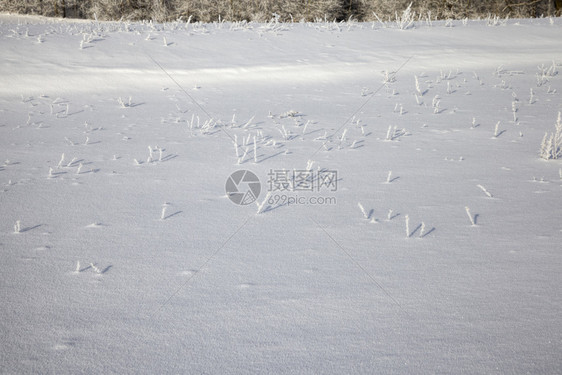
255,150
407,220
236,147
306,126
96,269
485,191
418,89
470,216
77,270
80,167
497,130
262,204
551,146
342,138
17,227
163,213
388,178
365,215
61,161
51,172
422,230
243,157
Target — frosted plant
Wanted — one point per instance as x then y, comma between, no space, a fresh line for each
286,134
388,178
249,122
497,129
407,220
485,191
422,230
436,107
389,215
342,138
435,104
160,150
164,209
306,126
551,145
243,157
365,215
123,104
470,216
262,204
418,89
61,161
388,134
388,77
235,142
95,268
255,150
406,19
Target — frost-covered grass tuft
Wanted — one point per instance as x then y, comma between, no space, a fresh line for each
551,145
472,218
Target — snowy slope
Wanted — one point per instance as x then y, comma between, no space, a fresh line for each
207,286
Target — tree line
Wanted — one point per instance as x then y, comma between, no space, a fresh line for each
283,10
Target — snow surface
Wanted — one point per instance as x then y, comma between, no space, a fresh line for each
211,287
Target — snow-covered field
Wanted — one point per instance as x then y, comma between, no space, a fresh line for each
429,242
